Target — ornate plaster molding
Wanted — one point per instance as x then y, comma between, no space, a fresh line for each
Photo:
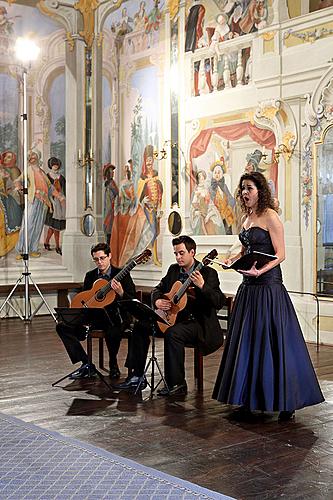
308,36
87,9
277,115
318,114
65,15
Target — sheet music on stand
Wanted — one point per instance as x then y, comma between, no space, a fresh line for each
79,316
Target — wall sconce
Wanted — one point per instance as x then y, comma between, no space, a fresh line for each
86,159
282,149
162,154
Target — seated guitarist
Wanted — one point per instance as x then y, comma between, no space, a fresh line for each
196,324
71,336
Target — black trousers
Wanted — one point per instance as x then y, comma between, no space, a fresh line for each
175,340
73,336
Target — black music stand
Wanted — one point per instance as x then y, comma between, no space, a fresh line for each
84,317
142,312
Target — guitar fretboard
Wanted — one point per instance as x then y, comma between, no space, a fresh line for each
185,285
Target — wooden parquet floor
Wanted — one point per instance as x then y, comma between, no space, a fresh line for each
193,438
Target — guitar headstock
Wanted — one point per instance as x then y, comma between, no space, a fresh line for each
209,257
143,257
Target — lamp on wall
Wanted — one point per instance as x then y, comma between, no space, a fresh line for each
162,153
281,149
26,51
85,159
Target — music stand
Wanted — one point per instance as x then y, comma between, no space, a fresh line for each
88,318
142,312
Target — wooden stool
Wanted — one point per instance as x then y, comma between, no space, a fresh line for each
100,335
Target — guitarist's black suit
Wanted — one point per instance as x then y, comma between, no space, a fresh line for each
71,336
197,324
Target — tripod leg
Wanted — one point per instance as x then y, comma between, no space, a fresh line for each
102,378
63,378
162,379
7,301
43,301
143,377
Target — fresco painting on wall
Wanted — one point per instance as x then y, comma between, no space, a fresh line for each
139,207
111,193
18,20
10,198
137,25
207,28
55,221
213,204
106,120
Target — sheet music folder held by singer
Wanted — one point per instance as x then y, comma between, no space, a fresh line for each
247,260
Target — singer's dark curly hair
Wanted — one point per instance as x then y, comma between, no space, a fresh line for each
265,199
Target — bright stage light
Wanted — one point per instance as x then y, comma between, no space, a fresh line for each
26,49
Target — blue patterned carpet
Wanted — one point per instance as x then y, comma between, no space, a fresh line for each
39,464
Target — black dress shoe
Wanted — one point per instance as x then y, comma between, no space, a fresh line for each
284,416
131,384
114,372
85,371
175,390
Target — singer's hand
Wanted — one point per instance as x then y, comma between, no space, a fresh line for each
253,272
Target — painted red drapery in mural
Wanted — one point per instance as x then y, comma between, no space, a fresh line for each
263,137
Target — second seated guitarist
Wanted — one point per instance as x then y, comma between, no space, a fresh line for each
196,324
72,336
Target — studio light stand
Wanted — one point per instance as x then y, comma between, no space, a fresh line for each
26,51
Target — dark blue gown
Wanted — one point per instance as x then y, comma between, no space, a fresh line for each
265,363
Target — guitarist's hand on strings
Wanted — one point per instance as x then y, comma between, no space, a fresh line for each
197,279
117,287
163,304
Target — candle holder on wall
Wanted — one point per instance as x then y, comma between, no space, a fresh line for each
85,159
282,149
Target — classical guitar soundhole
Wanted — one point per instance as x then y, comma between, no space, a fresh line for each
100,295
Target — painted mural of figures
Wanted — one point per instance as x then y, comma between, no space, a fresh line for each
124,26
253,161
221,196
194,39
150,191
56,219
127,199
204,217
6,25
39,202
10,213
131,232
139,17
152,22
110,195
235,20
8,163
255,16
222,30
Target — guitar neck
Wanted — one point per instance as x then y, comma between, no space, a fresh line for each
119,276
187,283
125,270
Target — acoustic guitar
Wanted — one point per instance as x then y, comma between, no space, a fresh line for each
178,295
102,294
